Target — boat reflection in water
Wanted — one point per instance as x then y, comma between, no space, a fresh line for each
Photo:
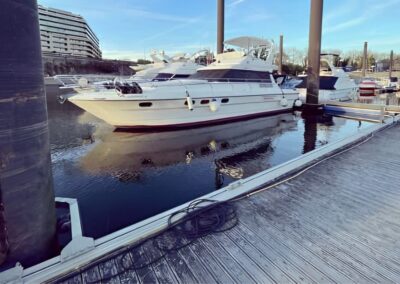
237,149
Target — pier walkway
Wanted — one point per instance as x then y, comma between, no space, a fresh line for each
337,222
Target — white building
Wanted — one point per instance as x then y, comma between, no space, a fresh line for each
68,34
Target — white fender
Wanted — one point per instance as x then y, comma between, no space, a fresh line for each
298,103
214,105
284,102
189,101
83,82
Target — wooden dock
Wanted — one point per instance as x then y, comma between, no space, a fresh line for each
337,222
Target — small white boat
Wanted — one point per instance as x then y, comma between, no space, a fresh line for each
391,85
335,83
166,68
369,87
239,84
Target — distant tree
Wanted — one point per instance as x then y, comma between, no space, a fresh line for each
143,61
292,69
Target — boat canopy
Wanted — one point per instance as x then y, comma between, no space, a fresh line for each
248,42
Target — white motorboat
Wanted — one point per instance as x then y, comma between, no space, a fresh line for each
390,85
166,68
163,68
239,84
335,84
370,87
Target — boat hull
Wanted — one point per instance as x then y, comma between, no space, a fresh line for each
331,95
173,113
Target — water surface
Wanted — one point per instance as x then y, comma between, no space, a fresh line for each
120,178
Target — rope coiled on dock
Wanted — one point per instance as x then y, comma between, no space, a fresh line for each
200,218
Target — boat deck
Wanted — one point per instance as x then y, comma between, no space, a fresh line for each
337,222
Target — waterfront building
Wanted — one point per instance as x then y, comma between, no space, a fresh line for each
65,33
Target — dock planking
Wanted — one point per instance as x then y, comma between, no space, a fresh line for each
337,222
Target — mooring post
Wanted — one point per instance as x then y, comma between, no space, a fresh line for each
280,54
310,132
220,26
27,211
314,53
391,64
365,59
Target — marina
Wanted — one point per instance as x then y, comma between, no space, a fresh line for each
124,171
282,233
244,161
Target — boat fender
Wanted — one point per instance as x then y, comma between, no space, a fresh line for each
284,102
83,82
189,101
298,103
214,105
61,99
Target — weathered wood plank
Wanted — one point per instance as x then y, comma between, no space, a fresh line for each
230,264
330,245
107,269
287,260
145,273
201,273
347,211
161,268
77,279
311,261
315,224
261,259
91,275
245,261
212,264
126,273
180,268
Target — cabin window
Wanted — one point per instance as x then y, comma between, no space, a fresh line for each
232,75
145,104
181,76
204,102
163,77
224,101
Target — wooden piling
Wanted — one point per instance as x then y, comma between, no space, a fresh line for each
391,64
28,208
220,26
365,59
314,51
280,54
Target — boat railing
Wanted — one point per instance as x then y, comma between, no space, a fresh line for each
210,80
83,84
84,80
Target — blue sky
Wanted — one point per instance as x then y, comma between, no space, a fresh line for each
128,29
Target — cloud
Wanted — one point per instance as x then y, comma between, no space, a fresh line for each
374,9
345,25
172,29
235,3
123,54
155,16
346,8
256,17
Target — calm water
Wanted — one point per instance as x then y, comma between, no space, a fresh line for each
121,178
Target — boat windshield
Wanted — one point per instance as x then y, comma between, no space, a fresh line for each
169,76
325,66
232,75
